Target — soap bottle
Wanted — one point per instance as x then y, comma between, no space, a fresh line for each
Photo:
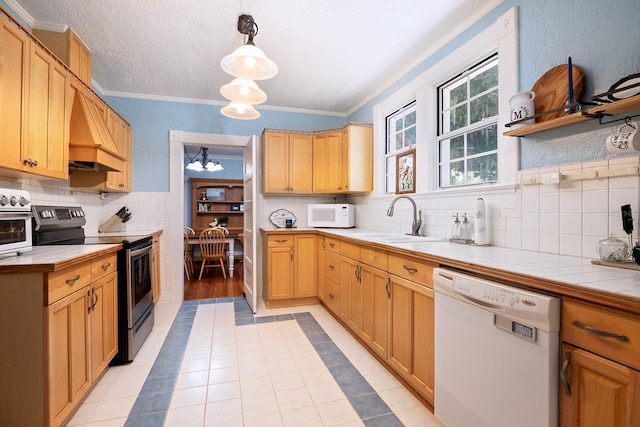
465,228
455,231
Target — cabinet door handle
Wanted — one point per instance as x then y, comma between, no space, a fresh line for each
387,287
323,247
332,296
600,333
281,240
90,301
291,254
563,373
106,265
93,291
332,267
410,269
72,280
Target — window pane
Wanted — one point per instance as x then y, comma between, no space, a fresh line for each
456,173
484,81
484,107
391,175
458,117
399,141
399,124
482,169
457,147
410,119
410,136
482,140
458,94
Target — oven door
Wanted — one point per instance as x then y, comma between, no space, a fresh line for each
15,233
139,283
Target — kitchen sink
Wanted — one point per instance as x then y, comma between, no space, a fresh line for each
396,238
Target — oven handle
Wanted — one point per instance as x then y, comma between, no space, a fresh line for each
141,251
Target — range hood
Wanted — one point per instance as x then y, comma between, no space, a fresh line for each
91,145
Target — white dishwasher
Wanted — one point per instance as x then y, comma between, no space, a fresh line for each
496,353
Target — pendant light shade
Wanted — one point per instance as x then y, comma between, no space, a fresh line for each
237,110
244,91
249,62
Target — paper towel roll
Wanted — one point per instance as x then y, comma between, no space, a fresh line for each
481,235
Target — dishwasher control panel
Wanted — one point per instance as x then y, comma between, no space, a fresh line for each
494,293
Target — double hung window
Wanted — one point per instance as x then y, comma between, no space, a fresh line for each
468,126
400,137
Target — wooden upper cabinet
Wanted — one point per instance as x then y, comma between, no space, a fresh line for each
70,49
357,158
327,163
34,107
15,46
287,163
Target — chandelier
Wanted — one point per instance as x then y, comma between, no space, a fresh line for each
198,165
247,63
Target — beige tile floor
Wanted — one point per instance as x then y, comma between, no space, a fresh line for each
265,374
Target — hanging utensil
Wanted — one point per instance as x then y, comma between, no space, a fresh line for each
627,222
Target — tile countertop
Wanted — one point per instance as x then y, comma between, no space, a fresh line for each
565,275
42,259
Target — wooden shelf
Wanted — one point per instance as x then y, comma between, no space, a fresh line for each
616,107
233,196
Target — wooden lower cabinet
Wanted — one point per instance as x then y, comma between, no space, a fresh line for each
59,333
376,297
69,354
599,392
412,334
291,269
351,299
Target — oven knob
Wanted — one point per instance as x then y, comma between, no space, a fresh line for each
3,200
23,201
13,201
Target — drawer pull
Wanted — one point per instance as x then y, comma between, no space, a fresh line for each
600,333
281,240
332,245
332,296
332,267
72,280
106,265
410,269
563,374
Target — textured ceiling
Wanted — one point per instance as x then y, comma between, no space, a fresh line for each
331,54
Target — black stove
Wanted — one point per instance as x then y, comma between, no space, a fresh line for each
63,225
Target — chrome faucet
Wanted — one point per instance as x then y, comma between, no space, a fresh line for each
417,219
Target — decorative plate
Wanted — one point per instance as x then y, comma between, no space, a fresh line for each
279,218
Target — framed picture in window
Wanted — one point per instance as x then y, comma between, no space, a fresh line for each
406,170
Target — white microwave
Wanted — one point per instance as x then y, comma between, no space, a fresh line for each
332,216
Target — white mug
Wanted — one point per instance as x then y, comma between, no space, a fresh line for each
624,141
521,106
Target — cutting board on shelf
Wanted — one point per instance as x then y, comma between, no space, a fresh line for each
552,90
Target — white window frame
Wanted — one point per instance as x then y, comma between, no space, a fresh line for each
500,37
393,153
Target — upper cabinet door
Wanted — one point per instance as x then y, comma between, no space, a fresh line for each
275,162
48,114
14,46
300,163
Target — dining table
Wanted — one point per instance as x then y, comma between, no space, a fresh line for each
230,240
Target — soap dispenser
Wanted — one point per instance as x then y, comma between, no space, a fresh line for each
456,229
465,228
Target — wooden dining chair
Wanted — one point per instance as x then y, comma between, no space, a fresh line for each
188,258
212,249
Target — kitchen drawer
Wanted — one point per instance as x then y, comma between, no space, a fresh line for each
411,268
332,266
374,257
280,240
103,265
332,298
331,244
350,250
67,281
602,319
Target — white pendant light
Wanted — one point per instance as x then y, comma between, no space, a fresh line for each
244,91
237,110
248,61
